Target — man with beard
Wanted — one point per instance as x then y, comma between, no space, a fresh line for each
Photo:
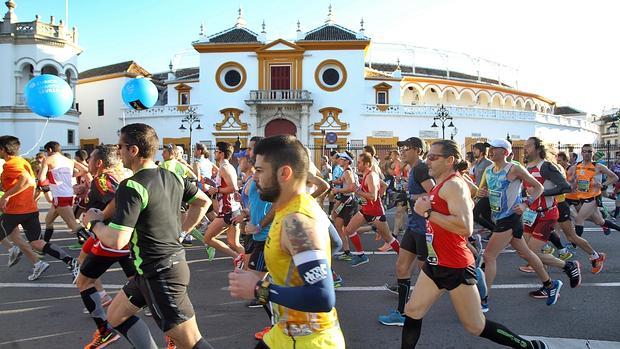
297,253
482,209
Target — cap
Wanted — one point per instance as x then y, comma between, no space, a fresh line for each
411,142
344,155
241,154
500,143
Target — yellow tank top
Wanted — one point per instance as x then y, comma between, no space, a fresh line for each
283,272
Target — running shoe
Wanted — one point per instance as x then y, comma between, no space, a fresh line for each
386,247
101,340
38,269
484,305
597,264
359,259
238,262
540,293
188,241
527,269
547,249
75,270
260,334
565,256
170,343
338,281
393,318
537,344
573,271
254,304
147,311
197,235
346,257
554,292
210,253
606,230
14,255
391,288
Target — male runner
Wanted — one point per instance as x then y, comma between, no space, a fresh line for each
146,217
297,254
482,209
413,243
171,162
346,204
449,212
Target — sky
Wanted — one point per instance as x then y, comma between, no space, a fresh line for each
564,50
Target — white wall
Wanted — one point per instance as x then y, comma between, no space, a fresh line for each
103,127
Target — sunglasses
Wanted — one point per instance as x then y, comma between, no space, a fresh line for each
433,157
120,145
587,151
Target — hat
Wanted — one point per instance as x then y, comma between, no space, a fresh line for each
500,143
346,156
411,142
241,154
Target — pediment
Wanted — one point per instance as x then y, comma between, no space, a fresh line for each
279,46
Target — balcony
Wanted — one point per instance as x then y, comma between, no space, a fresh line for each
158,111
279,97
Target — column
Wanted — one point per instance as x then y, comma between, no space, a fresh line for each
253,120
305,116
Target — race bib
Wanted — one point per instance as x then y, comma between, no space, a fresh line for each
432,256
495,200
529,217
583,185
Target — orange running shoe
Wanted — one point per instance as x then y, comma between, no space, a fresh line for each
260,334
597,264
527,269
170,343
101,340
386,247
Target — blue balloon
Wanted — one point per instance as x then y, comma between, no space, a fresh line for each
139,93
48,96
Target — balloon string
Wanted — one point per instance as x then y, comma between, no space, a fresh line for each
47,120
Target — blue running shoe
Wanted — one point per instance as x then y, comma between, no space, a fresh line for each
393,318
554,292
359,259
482,284
484,305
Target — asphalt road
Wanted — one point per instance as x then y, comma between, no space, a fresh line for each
48,312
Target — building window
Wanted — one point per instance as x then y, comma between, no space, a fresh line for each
100,107
70,137
382,91
184,98
382,97
330,75
230,77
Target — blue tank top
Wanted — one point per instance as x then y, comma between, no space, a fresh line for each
503,194
258,211
244,197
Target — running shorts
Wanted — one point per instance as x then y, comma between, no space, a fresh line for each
512,222
415,243
450,278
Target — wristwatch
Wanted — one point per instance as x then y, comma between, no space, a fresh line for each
261,292
427,213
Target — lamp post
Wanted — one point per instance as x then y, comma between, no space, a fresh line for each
191,118
453,133
442,115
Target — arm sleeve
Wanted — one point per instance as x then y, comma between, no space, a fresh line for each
551,173
317,294
128,207
189,191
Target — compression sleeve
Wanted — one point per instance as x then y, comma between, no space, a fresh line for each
550,172
317,294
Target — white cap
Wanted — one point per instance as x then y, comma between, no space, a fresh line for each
501,143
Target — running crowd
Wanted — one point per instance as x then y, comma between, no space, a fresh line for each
282,235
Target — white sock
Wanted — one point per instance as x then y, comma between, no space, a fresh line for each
562,250
594,255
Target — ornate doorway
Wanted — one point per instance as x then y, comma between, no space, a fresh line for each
280,127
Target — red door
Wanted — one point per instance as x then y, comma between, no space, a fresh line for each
281,78
280,127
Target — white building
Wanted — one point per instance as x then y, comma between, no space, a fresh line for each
322,83
28,49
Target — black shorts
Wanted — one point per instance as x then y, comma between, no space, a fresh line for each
511,222
371,219
248,243
348,211
573,202
257,259
165,293
415,243
29,221
450,278
229,216
564,210
94,266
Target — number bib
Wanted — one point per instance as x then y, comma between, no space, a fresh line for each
529,217
583,185
432,255
495,200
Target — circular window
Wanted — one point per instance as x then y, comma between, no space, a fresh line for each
330,75
230,77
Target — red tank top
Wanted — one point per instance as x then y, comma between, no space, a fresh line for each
546,205
371,208
450,249
227,202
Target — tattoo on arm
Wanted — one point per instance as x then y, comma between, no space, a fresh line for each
299,230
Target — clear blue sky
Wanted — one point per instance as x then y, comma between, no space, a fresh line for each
565,50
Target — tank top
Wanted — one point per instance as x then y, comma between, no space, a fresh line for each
371,208
60,182
503,193
227,202
245,199
258,211
545,205
585,175
205,167
445,248
282,270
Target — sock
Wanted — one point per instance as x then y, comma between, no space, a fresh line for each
579,230
92,301
347,252
47,236
616,211
547,284
610,224
403,293
594,255
555,240
202,344
395,245
567,266
501,335
411,332
137,333
355,239
57,252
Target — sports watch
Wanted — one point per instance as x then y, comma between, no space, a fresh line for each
261,292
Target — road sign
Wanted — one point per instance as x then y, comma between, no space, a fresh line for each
331,137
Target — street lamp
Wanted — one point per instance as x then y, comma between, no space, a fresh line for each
442,115
453,133
191,118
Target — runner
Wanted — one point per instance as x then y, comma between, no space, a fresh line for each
449,266
302,295
503,187
147,206
413,244
171,162
482,209
346,205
